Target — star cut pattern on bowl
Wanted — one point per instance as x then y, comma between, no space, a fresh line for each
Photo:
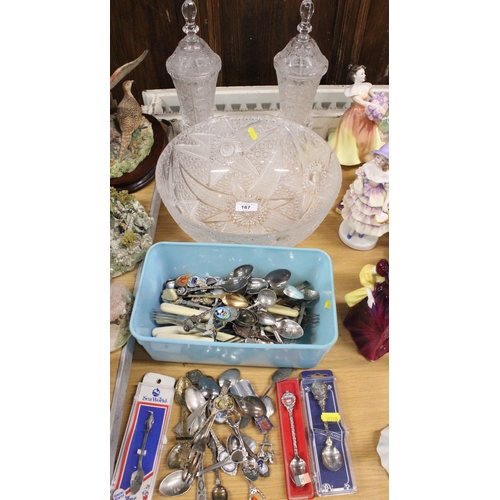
253,179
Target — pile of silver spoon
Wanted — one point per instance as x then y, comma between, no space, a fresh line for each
228,400
238,307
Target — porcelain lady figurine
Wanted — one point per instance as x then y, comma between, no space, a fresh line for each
366,203
357,133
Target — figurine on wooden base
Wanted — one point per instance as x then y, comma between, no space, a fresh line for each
368,316
366,203
131,135
357,133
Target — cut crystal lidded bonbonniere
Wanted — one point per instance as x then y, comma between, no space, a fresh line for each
194,68
299,69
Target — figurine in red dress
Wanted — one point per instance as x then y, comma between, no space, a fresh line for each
368,318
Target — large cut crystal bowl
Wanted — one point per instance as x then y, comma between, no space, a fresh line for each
248,178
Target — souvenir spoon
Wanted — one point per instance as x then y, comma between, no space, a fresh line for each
227,379
235,300
201,489
179,453
251,405
246,318
265,298
249,465
268,403
199,442
234,284
138,475
197,404
236,457
174,485
255,285
194,398
179,396
278,277
222,454
310,295
293,293
244,271
177,456
330,456
297,464
265,319
209,388
219,492
232,443
288,329
254,491
279,375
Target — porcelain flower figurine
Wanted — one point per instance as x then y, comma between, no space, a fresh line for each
366,203
368,316
357,133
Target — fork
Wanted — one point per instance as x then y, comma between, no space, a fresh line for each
163,318
310,319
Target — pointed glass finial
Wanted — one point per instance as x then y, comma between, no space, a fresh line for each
189,11
306,12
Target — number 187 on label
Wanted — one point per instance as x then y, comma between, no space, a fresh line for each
246,207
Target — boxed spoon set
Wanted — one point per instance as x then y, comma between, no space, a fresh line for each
316,455
135,471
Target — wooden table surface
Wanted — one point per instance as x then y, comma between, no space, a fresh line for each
363,386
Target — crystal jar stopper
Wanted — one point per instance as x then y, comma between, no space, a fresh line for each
299,68
194,68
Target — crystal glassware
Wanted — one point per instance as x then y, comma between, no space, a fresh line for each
299,68
248,178
194,68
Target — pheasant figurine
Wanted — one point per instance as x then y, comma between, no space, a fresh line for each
129,116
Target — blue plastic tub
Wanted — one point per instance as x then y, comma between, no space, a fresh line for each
169,260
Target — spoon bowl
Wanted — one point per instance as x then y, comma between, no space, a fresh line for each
331,457
279,375
277,277
293,293
268,403
219,492
255,285
310,295
235,300
173,485
243,271
194,398
298,467
265,298
251,405
265,318
289,329
234,284
209,388
246,318
228,378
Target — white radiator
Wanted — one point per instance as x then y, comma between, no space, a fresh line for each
329,104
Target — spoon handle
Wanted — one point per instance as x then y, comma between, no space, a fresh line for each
288,400
201,489
149,423
254,491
